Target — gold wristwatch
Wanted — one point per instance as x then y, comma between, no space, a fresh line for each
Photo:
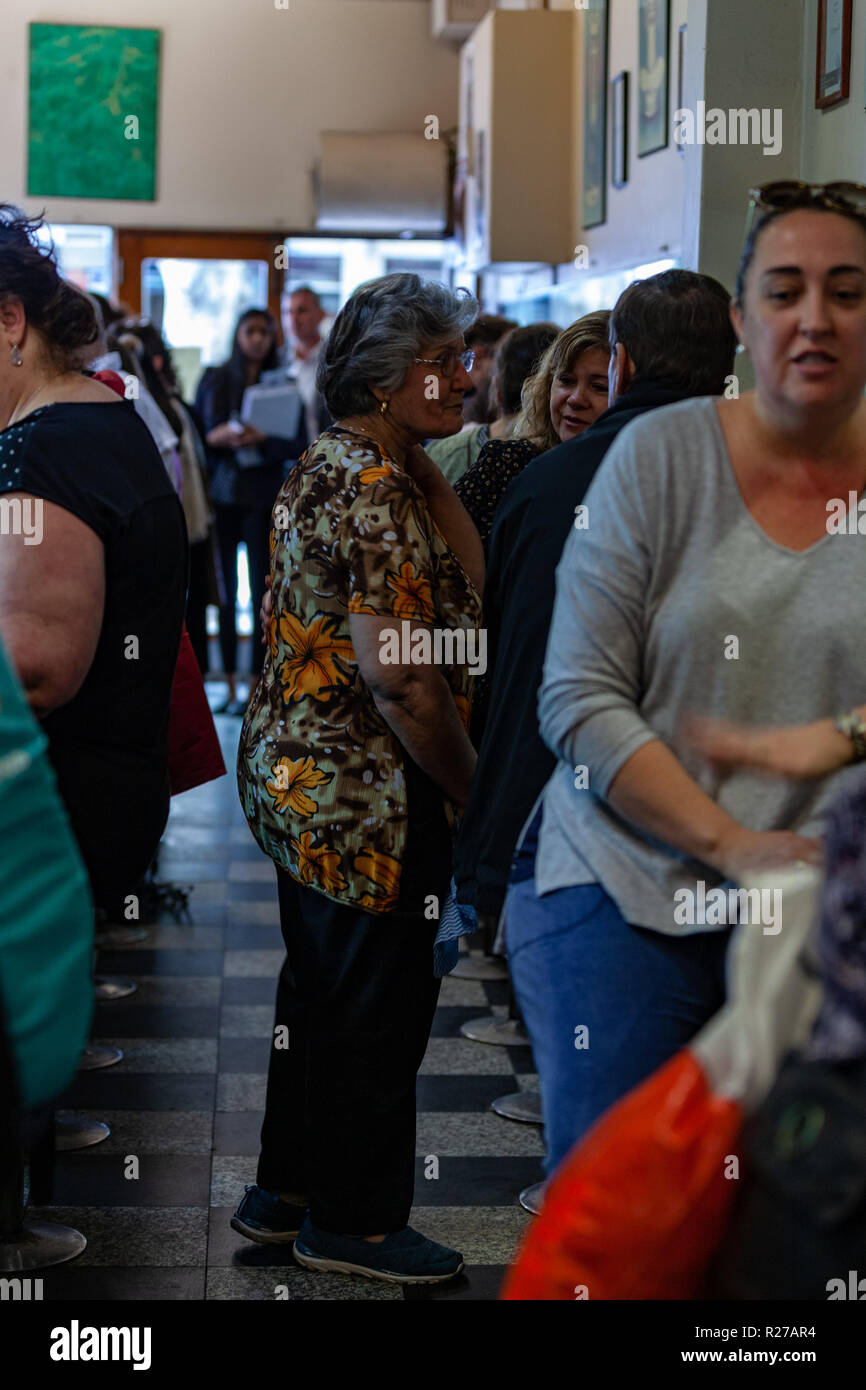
853,726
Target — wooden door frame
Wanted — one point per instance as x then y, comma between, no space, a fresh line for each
134,245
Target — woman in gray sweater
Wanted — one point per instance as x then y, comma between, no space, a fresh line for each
703,578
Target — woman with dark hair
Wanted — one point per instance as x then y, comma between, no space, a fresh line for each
705,579
246,473
157,369
92,568
353,759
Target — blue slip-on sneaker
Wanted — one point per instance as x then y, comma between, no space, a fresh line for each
404,1257
265,1217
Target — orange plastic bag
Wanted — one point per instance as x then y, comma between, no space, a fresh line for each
638,1207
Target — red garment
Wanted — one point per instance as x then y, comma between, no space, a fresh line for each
194,754
640,1205
111,379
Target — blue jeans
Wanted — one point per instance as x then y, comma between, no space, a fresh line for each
576,965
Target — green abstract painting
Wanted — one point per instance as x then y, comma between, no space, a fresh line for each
93,102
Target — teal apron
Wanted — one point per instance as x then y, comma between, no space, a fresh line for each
46,913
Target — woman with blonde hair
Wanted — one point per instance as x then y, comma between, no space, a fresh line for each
557,399
564,395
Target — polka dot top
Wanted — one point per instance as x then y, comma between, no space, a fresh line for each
483,486
108,743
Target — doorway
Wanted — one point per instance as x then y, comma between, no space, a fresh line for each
194,285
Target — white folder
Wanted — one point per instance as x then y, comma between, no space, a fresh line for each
275,410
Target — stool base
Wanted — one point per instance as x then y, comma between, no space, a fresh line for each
532,1198
38,1245
78,1133
479,968
524,1106
114,938
106,988
93,1058
499,1032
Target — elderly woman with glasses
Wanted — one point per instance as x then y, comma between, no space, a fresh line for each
353,764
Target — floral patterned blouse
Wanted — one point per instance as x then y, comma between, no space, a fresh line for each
320,773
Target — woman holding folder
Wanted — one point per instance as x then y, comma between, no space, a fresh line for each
247,468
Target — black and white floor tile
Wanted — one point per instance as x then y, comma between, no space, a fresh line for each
188,1096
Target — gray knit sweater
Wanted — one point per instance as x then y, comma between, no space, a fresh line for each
673,599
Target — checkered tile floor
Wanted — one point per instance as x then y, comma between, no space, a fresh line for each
188,1096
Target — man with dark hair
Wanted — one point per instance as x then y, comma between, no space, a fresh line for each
455,455
693,353
486,333
671,338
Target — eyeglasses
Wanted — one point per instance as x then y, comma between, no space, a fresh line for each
791,193
447,363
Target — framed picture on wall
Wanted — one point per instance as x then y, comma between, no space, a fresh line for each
619,131
681,73
92,126
833,68
594,206
654,21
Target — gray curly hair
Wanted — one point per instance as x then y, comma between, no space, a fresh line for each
380,331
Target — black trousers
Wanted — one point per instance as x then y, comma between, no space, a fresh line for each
197,600
252,526
357,994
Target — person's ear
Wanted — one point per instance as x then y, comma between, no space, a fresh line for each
620,373
13,320
738,321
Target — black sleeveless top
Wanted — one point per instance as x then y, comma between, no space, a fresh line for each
109,744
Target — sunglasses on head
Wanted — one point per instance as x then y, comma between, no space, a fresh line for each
791,193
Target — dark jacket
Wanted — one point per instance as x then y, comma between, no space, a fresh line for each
219,397
530,530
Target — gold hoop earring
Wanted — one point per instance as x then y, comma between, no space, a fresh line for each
383,406
15,354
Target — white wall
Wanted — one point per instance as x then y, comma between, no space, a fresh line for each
643,218
245,89
834,141
752,58
765,57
